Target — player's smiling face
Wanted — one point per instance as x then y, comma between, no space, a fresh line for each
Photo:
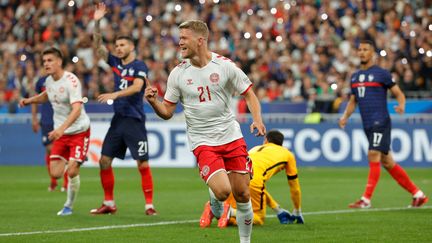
365,52
123,48
51,63
188,43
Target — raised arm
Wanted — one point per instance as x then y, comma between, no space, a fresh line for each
38,99
255,108
101,51
350,108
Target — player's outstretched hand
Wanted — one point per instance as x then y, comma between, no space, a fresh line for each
100,11
104,98
261,130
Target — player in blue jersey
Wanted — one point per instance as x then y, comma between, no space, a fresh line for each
369,87
46,125
127,128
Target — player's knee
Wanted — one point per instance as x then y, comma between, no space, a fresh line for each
222,194
242,196
105,162
143,164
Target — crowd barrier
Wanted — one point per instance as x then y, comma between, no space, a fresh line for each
313,145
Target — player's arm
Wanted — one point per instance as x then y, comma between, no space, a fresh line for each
73,115
295,191
35,120
400,97
38,99
131,90
164,109
255,109
101,51
350,108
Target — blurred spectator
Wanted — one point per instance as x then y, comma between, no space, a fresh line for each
292,50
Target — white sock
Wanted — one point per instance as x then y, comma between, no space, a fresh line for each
109,203
72,191
244,221
418,194
147,206
277,209
215,205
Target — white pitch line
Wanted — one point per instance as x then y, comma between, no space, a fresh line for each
194,221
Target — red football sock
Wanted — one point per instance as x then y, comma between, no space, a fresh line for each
47,162
402,178
107,179
147,183
373,178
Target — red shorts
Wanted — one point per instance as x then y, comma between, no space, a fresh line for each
71,147
231,157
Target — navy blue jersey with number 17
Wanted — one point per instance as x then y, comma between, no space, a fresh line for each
370,89
124,76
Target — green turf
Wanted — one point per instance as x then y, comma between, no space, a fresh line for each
26,206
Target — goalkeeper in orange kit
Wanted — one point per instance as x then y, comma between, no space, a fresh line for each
267,160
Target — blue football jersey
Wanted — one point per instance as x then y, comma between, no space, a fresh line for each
370,90
124,75
45,108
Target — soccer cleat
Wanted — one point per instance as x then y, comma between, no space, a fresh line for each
419,201
224,219
65,211
150,212
104,209
360,204
206,216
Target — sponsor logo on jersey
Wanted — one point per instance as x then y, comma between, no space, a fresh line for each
189,81
214,78
370,77
362,78
61,89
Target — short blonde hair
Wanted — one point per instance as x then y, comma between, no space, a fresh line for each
196,26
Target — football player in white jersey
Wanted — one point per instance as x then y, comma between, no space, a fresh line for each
204,83
71,124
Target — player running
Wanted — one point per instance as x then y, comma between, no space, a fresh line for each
71,124
204,83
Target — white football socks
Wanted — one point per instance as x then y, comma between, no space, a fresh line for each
244,220
215,205
72,191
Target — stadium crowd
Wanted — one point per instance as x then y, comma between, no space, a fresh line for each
293,51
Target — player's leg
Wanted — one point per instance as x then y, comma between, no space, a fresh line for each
375,138
135,137
245,215
78,146
402,178
147,186
212,171
113,147
45,129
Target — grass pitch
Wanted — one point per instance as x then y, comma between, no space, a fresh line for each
28,211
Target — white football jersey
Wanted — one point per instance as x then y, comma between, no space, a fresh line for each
206,95
62,94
